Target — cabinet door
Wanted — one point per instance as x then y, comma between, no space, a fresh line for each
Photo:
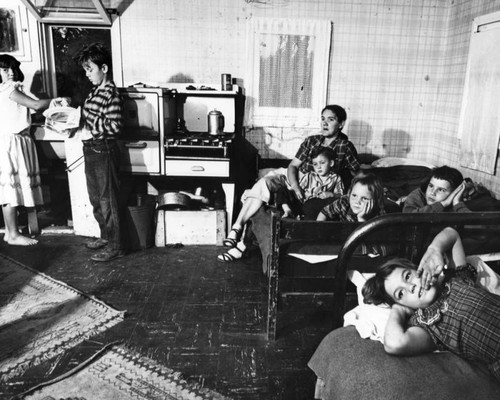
140,156
479,128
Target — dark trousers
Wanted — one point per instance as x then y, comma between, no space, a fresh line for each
102,163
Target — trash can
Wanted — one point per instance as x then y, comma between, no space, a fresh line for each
140,222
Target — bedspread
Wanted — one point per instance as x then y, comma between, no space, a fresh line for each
355,368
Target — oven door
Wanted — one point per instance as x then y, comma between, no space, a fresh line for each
140,156
141,134
141,113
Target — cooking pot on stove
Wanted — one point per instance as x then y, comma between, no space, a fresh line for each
174,201
215,123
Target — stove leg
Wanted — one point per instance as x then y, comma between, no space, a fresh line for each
32,221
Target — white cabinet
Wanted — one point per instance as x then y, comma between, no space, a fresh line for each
84,222
197,167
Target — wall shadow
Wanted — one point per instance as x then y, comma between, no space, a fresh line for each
180,78
396,143
361,134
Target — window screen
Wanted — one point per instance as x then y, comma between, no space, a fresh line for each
286,70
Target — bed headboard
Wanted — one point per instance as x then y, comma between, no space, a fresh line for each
480,232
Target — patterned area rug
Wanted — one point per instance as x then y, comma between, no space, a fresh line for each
41,317
121,375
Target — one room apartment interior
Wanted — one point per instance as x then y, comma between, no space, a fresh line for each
215,94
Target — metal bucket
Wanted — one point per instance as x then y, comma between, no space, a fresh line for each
174,201
140,223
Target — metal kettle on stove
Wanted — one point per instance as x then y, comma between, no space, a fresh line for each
215,123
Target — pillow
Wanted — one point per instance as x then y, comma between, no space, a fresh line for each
393,161
486,277
370,320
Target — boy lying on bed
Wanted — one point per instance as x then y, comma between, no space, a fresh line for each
433,311
443,192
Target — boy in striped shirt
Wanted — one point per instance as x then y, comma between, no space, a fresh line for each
102,123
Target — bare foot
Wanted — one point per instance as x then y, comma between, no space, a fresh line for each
287,211
21,241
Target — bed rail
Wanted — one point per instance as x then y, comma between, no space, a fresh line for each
407,235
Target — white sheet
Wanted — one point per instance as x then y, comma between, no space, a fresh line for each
314,258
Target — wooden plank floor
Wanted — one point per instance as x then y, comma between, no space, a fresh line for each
188,312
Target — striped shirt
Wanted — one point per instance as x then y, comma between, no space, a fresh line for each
465,319
313,185
346,156
103,112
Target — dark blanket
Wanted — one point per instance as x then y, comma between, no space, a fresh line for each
483,202
400,180
355,368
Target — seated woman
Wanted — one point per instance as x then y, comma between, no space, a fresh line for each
333,118
433,311
443,192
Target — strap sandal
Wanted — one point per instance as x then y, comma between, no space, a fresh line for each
96,244
230,242
227,257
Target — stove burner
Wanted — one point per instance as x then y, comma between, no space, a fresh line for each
198,145
200,141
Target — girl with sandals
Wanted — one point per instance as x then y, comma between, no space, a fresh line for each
333,118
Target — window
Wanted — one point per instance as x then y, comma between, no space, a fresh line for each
65,27
14,33
288,71
70,11
68,78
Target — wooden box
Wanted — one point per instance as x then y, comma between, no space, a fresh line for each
190,227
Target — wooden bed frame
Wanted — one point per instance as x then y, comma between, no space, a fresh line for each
405,235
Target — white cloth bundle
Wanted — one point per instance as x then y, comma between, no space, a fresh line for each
63,120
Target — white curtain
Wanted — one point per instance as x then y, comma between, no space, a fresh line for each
287,71
479,128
